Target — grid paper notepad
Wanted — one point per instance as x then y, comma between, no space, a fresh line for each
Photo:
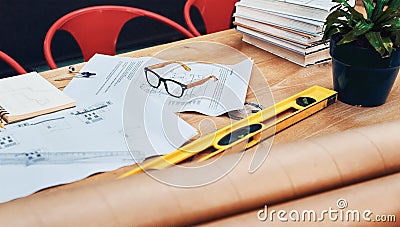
30,95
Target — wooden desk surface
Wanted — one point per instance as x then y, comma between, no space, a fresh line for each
285,79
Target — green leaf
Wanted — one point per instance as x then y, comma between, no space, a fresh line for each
387,15
381,26
333,18
387,43
394,4
334,21
392,25
354,13
369,7
329,32
342,2
375,39
335,15
378,8
361,28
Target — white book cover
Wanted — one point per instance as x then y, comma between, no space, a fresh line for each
316,10
318,4
295,47
250,10
293,23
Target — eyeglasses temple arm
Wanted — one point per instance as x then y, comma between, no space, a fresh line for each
202,81
160,65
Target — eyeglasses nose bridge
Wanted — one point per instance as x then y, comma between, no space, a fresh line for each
164,82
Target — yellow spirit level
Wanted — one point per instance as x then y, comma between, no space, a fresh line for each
250,131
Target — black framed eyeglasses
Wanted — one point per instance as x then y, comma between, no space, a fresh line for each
173,87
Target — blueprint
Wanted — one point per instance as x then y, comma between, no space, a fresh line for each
72,144
118,120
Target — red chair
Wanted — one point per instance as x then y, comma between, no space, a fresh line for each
96,28
15,65
216,14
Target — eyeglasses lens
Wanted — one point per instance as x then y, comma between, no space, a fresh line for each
174,88
153,79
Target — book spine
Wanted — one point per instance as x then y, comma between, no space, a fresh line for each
293,57
277,20
280,32
316,57
274,40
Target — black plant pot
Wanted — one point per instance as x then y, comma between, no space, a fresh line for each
360,76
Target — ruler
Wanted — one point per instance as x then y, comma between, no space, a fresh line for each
39,157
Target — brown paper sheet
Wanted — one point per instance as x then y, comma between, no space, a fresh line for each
370,203
290,171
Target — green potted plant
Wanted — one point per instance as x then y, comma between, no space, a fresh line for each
365,50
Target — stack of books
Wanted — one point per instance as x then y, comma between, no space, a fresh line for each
291,29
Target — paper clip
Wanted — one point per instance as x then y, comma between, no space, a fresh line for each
2,113
71,69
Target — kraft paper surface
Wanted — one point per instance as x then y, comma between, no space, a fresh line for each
371,203
290,171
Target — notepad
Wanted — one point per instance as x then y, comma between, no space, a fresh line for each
30,95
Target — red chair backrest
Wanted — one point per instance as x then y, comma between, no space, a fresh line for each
96,28
216,14
15,65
